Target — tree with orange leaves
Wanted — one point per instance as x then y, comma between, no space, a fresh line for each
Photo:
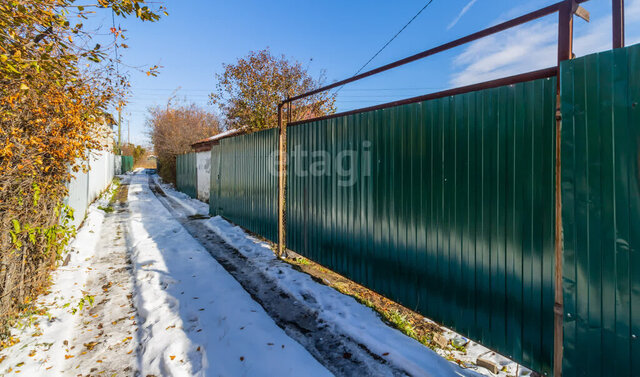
248,92
54,96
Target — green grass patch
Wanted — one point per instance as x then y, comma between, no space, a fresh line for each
107,209
400,322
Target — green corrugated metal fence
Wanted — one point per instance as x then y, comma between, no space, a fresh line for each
127,164
247,187
601,213
214,183
186,174
445,206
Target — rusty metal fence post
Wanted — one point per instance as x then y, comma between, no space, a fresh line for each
618,23
565,52
282,171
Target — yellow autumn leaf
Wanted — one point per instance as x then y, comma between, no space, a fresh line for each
24,87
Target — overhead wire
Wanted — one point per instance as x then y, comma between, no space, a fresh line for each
389,41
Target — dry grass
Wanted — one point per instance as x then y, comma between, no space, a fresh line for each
406,320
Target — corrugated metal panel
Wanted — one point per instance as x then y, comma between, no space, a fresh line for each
127,164
601,213
187,174
179,173
84,188
100,173
445,206
78,195
247,188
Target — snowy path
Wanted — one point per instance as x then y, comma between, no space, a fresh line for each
348,338
178,294
191,317
195,318
104,339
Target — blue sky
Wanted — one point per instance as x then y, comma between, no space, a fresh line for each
198,36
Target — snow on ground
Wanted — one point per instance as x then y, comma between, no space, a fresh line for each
360,322
191,319
341,311
42,349
195,318
104,339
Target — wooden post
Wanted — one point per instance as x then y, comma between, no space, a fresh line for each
565,52
618,23
282,170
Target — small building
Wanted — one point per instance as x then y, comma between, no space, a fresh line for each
202,149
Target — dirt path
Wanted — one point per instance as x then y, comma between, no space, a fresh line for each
105,335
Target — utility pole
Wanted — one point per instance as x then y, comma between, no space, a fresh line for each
119,128
129,129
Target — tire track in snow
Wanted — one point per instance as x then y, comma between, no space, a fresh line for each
339,353
105,336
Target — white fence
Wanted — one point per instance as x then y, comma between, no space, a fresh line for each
84,188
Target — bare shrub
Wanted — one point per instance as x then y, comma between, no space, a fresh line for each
174,128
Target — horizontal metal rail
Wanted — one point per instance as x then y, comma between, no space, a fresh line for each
447,46
529,76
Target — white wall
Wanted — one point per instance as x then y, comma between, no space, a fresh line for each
84,188
78,196
203,165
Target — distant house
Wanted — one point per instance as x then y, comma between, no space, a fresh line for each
202,149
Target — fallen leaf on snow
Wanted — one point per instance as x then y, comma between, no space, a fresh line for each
90,345
172,357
